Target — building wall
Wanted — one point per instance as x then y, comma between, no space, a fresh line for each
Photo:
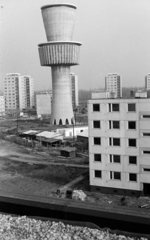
18,91
147,82
113,83
2,105
43,104
141,118
74,90
68,132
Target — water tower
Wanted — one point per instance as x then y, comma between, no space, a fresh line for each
59,53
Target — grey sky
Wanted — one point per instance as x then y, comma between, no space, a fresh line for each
115,35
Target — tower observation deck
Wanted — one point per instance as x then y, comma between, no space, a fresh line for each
59,53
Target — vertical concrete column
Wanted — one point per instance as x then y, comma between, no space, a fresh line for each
62,112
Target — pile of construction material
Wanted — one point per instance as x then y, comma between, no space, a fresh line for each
21,228
79,195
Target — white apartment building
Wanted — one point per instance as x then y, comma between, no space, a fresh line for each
74,90
18,91
119,145
147,82
113,84
43,104
2,105
29,91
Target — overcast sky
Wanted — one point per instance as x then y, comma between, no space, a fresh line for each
115,36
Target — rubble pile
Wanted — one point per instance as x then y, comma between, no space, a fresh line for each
79,195
24,228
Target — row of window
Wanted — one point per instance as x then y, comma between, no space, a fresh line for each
115,142
115,158
115,175
115,107
114,124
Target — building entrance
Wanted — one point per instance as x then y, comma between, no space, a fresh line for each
146,189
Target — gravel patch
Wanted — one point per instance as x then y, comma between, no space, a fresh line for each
24,228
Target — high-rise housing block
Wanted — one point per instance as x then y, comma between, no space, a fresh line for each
18,91
2,105
59,53
74,90
147,82
113,84
119,149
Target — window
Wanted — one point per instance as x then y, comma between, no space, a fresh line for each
132,160
146,152
116,141
146,134
96,124
114,158
115,107
98,174
115,175
132,177
97,157
131,107
146,116
146,169
97,141
132,142
116,124
96,107
131,125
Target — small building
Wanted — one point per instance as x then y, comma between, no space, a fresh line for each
100,94
68,152
31,134
49,138
71,132
83,136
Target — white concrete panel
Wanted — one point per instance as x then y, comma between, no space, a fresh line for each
59,22
62,105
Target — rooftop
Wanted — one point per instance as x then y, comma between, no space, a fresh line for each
58,5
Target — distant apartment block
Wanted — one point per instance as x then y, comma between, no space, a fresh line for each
119,145
147,82
2,105
113,84
74,90
18,91
43,104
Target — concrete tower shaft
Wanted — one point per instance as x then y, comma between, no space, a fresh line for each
59,21
60,53
61,99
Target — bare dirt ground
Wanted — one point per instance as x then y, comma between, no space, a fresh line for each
31,176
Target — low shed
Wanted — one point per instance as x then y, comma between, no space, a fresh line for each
68,152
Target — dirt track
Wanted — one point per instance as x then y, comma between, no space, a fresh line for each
19,173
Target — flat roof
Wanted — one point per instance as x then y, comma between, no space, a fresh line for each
58,5
59,42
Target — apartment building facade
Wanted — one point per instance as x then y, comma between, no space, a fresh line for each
147,82
74,90
43,104
119,145
113,83
18,92
2,105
